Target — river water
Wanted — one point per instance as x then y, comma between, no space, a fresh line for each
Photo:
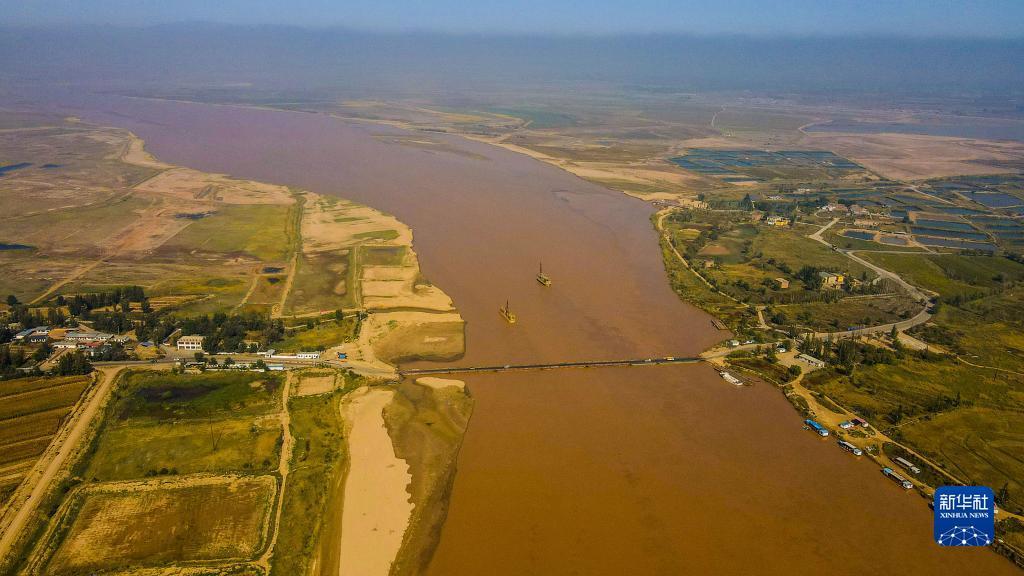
653,470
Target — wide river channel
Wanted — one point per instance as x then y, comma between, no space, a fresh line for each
644,470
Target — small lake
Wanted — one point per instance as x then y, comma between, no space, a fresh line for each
859,234
13,167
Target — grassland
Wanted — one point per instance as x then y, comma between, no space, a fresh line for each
311,515
323,335
156,396
951,275
966,419
181,447
256,231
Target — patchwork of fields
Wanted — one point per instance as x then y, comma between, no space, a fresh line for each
31,412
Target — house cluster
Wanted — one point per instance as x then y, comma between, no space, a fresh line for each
835,207
776,221
89,342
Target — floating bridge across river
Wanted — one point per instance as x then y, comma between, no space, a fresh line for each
580,364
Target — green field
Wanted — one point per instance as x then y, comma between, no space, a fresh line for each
980,445
969,420
163,397
257,230
796,250
323,335
130,450
311,517
951,275
848,312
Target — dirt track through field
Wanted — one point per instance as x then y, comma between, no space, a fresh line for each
64,445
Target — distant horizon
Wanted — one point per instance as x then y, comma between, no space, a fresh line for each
509,34
989,19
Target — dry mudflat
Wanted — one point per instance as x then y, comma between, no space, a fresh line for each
377,505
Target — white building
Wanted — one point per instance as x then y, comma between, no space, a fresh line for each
87,336
811,360
194,342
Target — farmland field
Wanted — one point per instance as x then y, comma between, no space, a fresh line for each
951,274
112,528
31,412
137,450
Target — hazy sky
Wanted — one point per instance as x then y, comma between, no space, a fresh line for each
984,18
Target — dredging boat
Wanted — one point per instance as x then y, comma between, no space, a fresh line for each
542,277
507,313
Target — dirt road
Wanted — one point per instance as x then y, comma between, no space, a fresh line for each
64,445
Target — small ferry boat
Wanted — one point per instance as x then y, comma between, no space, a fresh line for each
730,378
507,313
542,277
850,448
895,477
818,428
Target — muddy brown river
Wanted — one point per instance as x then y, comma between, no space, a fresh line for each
654,470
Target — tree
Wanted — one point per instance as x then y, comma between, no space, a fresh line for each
339,315
894,333
72,364
12,300
1004,495
198,356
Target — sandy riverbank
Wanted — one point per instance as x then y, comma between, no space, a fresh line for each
377,505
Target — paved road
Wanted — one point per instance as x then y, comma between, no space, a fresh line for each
916,293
